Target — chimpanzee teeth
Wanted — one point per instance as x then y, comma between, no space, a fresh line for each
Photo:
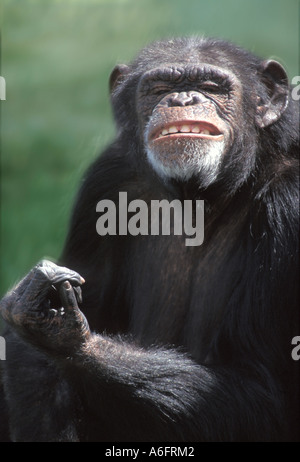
184,129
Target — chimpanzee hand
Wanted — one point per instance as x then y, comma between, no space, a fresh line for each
43,309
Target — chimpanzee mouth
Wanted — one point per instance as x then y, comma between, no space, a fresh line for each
190,129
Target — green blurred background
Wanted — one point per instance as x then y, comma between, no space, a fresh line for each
56,59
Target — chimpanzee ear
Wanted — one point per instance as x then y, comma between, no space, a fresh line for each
117,75
275,79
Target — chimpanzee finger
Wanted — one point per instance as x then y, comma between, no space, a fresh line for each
57,274
43,276
78,294
68,296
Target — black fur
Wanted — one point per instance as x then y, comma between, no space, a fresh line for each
195,342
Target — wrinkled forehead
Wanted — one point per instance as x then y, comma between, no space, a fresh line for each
187,72
200,52
181,56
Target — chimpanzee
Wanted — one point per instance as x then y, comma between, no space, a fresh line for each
171,342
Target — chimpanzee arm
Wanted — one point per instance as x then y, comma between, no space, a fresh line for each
114,389
161,395
39,403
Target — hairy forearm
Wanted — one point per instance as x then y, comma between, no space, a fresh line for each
162,387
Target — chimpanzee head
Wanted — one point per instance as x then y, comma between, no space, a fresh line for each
198,107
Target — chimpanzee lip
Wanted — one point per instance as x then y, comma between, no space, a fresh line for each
186,128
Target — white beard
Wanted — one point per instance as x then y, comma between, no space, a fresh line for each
200,158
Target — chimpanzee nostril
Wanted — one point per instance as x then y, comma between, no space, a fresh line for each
184,99
181,99
196,97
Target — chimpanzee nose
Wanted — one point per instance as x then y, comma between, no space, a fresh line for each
184,99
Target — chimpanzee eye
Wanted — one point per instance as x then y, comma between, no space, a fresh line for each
211,87
160,90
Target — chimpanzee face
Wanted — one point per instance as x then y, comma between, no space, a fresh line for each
188,119
198,110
